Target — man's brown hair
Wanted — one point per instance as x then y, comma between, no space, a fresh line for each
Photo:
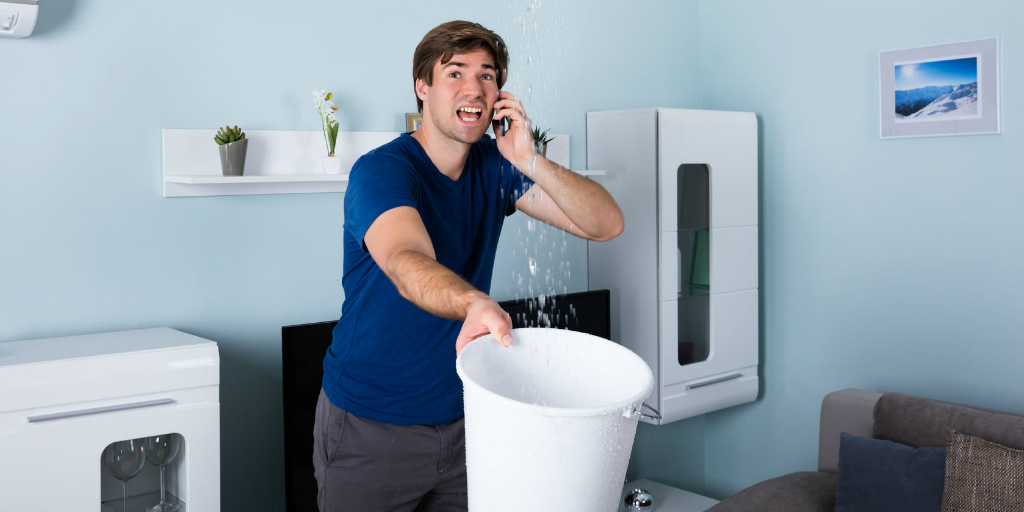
455,37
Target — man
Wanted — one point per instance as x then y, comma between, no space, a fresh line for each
422,219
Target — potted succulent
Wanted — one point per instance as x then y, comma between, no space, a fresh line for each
540,140
232,145
329,124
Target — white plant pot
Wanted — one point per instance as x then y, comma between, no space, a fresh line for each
332,164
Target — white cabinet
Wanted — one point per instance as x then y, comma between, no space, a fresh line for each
64,400
684,274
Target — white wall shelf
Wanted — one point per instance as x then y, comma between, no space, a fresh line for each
278,178
278,162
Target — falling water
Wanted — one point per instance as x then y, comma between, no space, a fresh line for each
532,32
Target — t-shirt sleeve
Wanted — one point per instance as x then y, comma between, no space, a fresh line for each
377,183
518,184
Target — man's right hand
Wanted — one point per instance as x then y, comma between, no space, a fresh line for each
401,247
484,316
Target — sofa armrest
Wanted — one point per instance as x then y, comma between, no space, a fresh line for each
807,491
849,410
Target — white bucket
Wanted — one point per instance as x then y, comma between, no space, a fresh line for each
550,420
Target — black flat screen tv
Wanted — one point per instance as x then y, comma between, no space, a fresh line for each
302,354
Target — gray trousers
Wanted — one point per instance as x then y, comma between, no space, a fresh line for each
365,466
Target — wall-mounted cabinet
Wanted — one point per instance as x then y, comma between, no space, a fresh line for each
683,275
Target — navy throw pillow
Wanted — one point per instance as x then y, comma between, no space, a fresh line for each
880,476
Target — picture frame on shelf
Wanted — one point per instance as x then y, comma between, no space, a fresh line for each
413,122
940,90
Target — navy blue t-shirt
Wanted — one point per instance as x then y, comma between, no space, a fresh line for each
390,361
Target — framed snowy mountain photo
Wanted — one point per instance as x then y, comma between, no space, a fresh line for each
947,89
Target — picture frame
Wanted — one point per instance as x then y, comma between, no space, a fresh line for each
413,122
939,90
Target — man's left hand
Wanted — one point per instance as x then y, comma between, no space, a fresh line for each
517,144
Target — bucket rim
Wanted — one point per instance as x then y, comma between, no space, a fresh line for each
545,410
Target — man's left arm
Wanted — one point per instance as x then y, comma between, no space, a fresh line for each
559,197
570,202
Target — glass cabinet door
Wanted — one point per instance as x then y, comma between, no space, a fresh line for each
694,257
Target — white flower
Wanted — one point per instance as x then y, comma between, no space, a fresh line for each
330,116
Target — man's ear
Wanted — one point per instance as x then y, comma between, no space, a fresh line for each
421,89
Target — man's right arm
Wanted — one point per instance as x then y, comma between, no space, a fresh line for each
399,244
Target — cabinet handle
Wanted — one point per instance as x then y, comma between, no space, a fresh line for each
97,410
714,381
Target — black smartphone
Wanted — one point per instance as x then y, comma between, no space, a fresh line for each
504,123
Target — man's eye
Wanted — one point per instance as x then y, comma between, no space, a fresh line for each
454,74
487,77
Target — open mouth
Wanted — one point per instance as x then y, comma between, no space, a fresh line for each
470,115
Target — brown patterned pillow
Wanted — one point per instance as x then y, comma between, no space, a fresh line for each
982,476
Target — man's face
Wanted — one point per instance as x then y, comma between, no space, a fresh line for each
460,103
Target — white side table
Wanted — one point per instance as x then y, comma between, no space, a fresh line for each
666,498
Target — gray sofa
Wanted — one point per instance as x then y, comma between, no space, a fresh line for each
896,417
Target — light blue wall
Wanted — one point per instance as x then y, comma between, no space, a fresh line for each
87,243
893,265
890,265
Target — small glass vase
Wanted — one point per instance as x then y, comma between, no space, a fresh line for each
332,164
